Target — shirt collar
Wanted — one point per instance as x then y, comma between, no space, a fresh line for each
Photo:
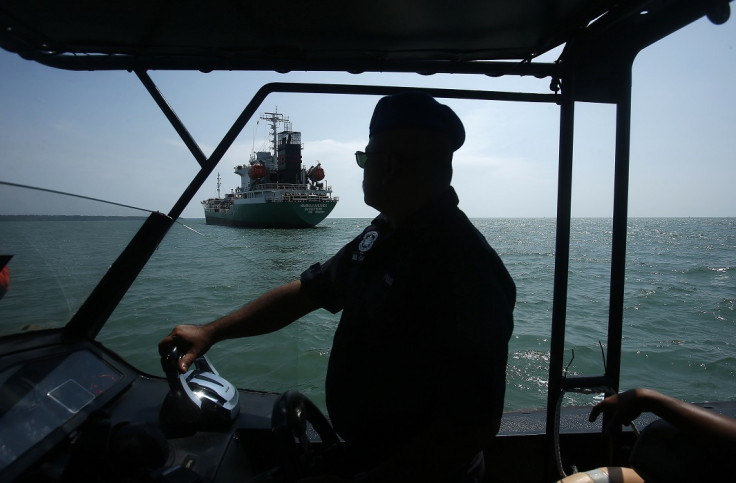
439,204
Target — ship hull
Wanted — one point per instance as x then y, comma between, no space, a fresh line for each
285,214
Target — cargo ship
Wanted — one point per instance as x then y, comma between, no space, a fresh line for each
275,190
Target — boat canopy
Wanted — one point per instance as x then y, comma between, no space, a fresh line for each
494,37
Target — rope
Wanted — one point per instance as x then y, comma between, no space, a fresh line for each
73,195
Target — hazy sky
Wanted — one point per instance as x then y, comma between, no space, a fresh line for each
97,133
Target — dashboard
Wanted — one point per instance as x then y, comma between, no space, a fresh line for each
80,413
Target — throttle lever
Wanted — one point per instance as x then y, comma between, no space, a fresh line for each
170,365
200,398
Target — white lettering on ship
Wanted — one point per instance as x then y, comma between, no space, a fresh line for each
313,208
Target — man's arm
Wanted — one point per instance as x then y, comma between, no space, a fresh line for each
709,426
268,313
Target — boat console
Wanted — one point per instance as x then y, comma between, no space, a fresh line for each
79,413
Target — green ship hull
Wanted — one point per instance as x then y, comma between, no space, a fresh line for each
283,214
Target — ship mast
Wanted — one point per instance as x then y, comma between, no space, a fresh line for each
218,185
274,118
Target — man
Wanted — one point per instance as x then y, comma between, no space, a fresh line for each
416,376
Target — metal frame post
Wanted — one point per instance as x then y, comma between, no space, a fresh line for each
562,261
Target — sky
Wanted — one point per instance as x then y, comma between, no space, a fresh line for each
100,135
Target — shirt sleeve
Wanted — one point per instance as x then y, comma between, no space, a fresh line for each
323,282
328,283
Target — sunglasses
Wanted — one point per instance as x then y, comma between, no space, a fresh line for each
361,157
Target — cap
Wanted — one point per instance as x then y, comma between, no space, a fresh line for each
417,110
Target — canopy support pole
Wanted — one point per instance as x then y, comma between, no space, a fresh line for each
562,262
619,229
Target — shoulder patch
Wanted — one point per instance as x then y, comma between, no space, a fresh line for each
368,240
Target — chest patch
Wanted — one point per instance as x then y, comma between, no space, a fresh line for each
368,240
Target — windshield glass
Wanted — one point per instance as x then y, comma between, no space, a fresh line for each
56,259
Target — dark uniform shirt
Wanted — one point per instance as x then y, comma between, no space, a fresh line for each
427,315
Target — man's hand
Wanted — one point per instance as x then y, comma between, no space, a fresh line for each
622,408
192,340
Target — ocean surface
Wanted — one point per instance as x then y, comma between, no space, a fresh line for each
679,314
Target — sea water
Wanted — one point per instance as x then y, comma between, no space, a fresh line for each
679,333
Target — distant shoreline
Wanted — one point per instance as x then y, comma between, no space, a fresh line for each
67,218
114,218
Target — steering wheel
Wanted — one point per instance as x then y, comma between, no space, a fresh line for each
298,456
